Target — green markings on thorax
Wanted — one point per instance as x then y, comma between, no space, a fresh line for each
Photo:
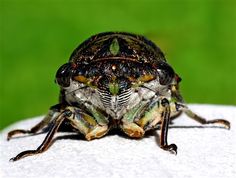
114,47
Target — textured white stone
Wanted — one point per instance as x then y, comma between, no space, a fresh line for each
202,152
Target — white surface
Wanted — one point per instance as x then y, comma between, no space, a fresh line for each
202,152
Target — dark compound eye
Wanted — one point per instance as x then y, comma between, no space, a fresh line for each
165,73
64,74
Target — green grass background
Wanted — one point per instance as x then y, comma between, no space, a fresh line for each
197,36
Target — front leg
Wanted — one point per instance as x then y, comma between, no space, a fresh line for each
128,124
154,113
146,116
90,122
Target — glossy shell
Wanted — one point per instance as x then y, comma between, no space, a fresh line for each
123,56
131,48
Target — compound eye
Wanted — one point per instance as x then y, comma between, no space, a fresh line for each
64,74
165,73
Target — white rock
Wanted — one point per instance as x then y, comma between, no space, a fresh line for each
202,152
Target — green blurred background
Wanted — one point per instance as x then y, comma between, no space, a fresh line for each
197,36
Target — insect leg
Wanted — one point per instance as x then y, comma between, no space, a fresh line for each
48,139
129,126
53,112
165,117
132,130
202,120
92,124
